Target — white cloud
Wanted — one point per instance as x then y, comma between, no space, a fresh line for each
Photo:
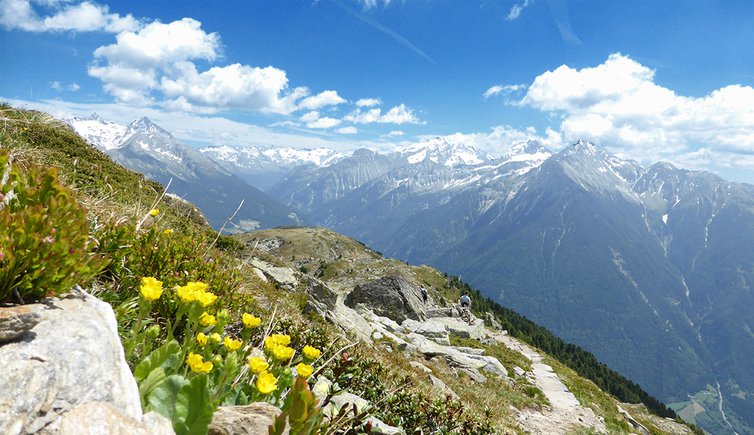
155,65
323,99
56,85
619,105
368,102
324,122
310,116
347,130
517,8
83,17
500,89
397,115
371,4
498,140
394,133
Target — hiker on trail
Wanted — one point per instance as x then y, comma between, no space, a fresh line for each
425,295
465,301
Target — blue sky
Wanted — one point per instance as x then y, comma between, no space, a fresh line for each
649,80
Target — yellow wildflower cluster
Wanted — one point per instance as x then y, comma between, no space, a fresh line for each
231,344
277,345
195,291
207,319
304,370
197,364
154,212
250,321
201,339
151,288
258,365
266,382
311,353
215,338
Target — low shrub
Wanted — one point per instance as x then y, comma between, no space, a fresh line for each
44,235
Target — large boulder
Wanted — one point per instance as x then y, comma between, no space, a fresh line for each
250,419
71,357
391,296
103,418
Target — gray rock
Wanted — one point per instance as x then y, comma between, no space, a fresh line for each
284,276
440,388
440,312
71,357
380,427
96,418
322,293
377,335
391,296
470,350
420,366
250,419
17,321
489,318
493,365
462,329
409,325
435,331
344,399
518,371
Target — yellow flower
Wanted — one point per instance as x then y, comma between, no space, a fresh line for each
283,353
231,344
215,337
304,370
257,364
154,212
266,382
250,321
151,289
207,319
168,232
277,340
197,363
201,339
206,298
311,353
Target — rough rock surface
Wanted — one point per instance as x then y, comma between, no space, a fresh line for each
103,418
71,357
284,276
16,321
440,389
243,420
391,296
434,330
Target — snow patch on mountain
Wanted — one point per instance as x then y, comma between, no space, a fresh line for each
253,156
105,135
444,151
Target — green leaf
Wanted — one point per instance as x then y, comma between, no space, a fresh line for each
147,386
163,398
156,359
193,408
278,426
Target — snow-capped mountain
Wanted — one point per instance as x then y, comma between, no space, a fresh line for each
444,151
264,166
150,149
105,135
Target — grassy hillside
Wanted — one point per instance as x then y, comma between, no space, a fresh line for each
191,340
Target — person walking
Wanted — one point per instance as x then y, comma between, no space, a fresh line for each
425,295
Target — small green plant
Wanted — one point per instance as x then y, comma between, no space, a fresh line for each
44,235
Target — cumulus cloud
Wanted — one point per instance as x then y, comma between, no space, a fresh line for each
368,102
618,104
394,133
517,8
400,114
156,65
62,16
323,122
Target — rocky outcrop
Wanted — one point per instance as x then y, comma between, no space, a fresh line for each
283,276
17,321
71,358
104,418
244,420
392,296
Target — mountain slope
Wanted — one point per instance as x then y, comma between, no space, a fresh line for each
146,147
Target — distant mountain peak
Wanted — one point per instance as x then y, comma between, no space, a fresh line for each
146,125
95,117
446,151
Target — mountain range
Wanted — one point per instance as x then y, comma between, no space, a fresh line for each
649,268
148,148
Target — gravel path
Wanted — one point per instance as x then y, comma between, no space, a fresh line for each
565,412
